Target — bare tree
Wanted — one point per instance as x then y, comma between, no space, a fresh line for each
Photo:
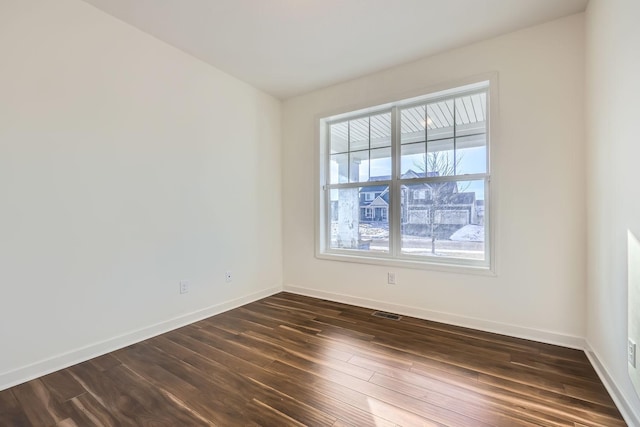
441,193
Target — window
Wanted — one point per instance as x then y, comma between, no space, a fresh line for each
409,182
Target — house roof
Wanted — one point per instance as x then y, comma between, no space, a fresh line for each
381,200
374,188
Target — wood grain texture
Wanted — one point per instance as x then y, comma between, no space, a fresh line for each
290,360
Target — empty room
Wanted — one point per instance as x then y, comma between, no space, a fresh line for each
319,213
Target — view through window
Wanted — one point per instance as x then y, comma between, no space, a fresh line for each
410,181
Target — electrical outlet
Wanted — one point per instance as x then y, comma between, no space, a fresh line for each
391,278
631,353
228,277
184,286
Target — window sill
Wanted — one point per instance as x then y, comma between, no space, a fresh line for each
408,263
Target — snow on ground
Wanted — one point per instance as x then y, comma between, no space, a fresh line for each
469,233
368,230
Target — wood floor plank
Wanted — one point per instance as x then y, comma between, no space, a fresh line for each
69,422
256,352
11,413
265,415
178,390
358,398
126,410
311,396
596,394
105,362
310,353
207,398
63,385
38,404
89,412
575,408
292,360
477,407
161,409
237,386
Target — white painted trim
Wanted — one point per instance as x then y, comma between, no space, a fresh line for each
448,318
376,259
61,361
630,415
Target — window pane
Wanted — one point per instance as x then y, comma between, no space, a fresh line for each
339,137
359,134
471,134
412,160
470,115
380,164
440,120
465,111
360,218
440,158
339,168
381,130
359,166
412,123
444,219
471,154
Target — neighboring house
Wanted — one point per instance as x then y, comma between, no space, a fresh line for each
441,202
374,203
450,207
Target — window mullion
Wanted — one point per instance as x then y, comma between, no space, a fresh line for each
348,151
395,221
426,140
358,185
488,244
327,191
455,150
445,178
369,162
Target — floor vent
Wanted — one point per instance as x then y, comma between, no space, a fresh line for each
386,315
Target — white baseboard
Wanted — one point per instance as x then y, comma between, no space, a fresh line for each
61,361
630,414
451,319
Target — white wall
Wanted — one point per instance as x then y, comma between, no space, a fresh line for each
613,91
539,290
125,166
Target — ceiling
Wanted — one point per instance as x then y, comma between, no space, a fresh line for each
289,47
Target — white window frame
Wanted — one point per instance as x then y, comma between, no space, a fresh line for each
486,82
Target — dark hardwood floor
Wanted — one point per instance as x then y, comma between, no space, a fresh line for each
293,360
